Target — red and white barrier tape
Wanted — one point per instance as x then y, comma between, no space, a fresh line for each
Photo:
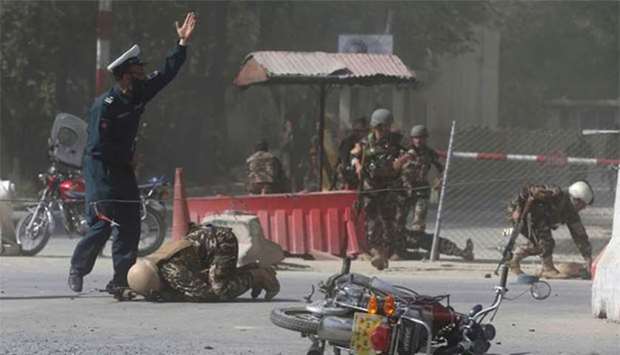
552,159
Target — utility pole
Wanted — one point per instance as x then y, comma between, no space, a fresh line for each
1,145
104,32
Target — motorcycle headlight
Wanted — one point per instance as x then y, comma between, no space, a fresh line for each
489,331
42,177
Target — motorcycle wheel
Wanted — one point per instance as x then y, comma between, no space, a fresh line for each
152,232
298,319
32,243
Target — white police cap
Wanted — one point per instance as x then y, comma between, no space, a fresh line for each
132,54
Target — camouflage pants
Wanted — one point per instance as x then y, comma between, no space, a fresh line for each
419,205
381,224
424,241
541,241
193,276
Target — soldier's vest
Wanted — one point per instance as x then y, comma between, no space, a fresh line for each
168,250
415,172
262,168
379,156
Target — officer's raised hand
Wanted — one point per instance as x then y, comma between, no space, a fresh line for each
185,31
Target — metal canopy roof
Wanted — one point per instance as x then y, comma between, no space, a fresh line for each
280,67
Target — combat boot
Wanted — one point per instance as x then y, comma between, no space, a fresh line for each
468,253
75,281
515,262
264,279
114,285
379,259
549,271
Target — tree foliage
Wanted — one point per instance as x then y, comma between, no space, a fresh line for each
556,49
549,49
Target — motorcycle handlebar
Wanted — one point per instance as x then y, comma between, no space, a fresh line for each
504,276
346,266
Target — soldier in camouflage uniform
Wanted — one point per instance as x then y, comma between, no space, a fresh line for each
373,158
548,206
202,267
347,179
422,240
415,165
265,172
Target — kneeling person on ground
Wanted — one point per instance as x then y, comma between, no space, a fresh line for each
422,240
202,267
548,207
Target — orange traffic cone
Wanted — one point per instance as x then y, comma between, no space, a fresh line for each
180,212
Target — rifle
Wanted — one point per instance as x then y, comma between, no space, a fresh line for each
507,253
360,187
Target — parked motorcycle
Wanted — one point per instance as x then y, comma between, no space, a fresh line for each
364,315
64,193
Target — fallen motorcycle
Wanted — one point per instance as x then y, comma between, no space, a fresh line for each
63,194
366,315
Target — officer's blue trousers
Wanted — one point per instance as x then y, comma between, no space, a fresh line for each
109,182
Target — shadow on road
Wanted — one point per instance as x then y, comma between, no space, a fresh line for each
95,295
51,297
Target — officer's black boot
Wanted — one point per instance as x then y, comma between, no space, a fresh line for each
114,285
75,281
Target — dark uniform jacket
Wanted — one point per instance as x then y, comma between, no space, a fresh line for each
114,118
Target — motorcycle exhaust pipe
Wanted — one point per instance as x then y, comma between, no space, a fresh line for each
336,330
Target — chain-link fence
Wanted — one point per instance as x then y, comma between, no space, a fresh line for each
479,191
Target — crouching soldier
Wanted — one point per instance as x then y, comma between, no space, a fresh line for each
202,267
265,172
544,208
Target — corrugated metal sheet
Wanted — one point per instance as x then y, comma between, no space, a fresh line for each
281,66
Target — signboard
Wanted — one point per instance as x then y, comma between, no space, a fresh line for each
357,43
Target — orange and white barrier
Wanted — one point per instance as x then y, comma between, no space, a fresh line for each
322,224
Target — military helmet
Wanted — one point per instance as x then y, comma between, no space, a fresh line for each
581,190
419,131
380,116
143,277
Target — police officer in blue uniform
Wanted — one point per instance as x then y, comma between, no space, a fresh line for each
111,188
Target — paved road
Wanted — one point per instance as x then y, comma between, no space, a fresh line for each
38,315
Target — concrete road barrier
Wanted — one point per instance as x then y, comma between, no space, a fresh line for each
253,246
8,243
606,283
